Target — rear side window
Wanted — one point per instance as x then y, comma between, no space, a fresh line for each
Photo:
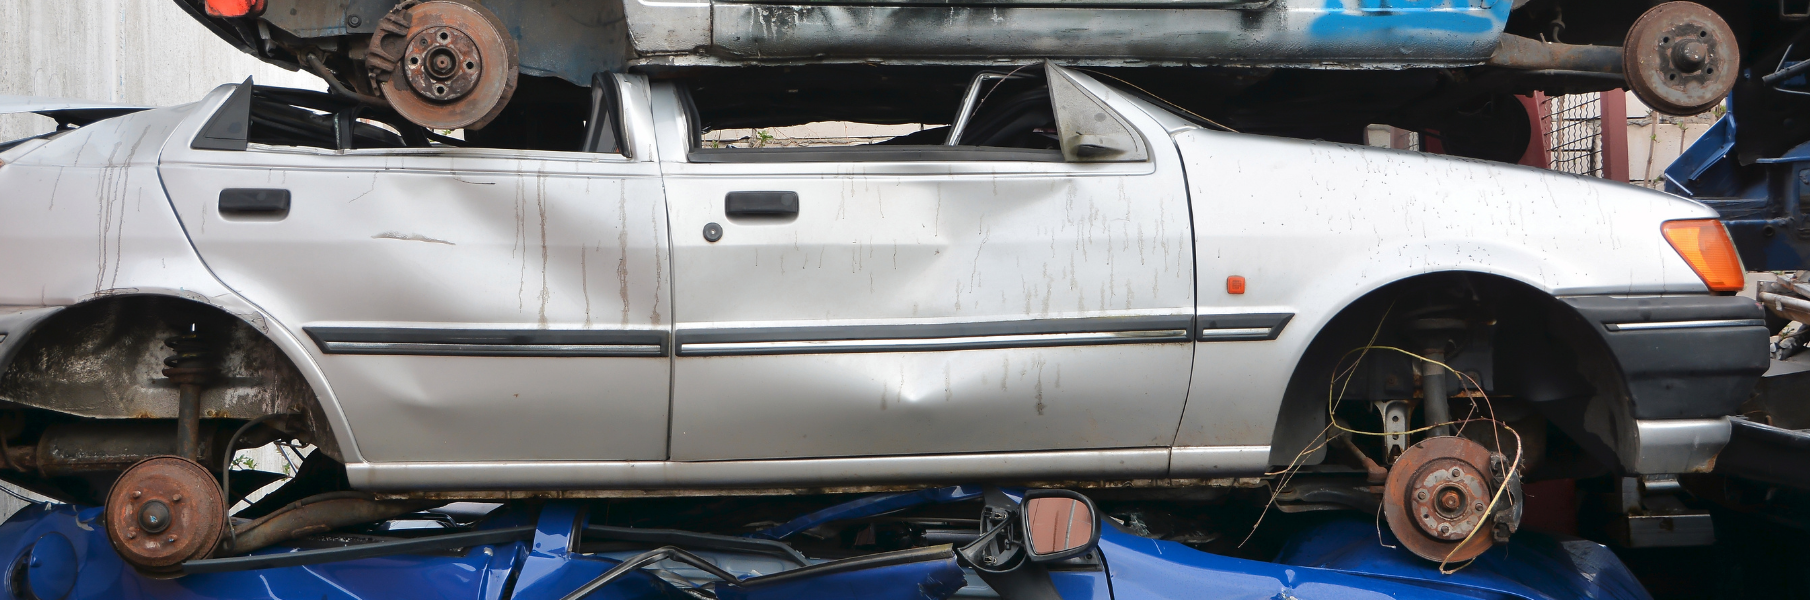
544,114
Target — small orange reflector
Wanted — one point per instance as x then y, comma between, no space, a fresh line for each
234,8
1235,284
1705,246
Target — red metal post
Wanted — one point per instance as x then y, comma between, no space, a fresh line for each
1540,122
1615,135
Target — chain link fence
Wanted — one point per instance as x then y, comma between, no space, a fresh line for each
1575,133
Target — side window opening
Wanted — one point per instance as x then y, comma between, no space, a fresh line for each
545,114
860,113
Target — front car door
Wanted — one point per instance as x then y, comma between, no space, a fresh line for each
914,299
466,304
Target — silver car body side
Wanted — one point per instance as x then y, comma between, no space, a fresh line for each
449,244
85,216
970,246
1312,227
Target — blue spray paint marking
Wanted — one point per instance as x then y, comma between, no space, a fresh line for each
1409,20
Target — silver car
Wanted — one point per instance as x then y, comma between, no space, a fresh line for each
1070,281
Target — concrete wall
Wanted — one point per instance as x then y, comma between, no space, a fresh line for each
129,51
1655,140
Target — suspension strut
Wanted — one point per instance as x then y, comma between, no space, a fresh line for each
190,369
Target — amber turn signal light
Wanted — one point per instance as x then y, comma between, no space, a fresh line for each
1705,246
1235,284
235,8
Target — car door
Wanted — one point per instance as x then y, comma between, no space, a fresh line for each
889,300
465,304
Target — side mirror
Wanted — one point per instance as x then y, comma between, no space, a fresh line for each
1058,524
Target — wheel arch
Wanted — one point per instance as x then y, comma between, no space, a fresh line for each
101,358
1551,357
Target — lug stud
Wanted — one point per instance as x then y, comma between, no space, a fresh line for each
178,497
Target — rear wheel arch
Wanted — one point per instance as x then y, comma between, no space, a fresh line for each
102,359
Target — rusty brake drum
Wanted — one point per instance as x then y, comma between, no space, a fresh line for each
1681,58
162,512
443,64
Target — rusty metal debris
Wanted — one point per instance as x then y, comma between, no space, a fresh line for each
1787,298
1518,52
1681,58
314,515
443,64
162,512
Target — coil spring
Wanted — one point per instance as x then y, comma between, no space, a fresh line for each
191,351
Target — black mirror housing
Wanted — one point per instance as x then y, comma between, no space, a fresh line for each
1058,524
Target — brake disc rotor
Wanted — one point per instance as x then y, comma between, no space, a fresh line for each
443,64
1680,58
164,511
1437,493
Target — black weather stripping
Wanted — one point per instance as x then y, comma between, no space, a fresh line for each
487,342
1036,333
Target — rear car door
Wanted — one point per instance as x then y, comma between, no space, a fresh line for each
926,299
466,304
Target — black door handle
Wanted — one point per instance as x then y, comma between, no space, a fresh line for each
254,202
761,204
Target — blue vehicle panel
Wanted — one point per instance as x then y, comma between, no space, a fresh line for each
60,551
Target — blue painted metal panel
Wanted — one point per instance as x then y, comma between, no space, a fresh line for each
877,504
1338,560
922,580
1532,565
477,575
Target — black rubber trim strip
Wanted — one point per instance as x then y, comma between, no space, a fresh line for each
879,333
700,541
487,342
326,555
876,153
1766,453
1272,321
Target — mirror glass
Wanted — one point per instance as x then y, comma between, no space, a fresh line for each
1058,524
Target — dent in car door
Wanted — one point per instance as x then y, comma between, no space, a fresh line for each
929,307
466,304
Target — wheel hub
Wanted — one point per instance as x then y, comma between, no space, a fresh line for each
443,64
163,512
1680,58
1437,494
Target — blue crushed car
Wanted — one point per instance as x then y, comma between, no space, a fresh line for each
1026,545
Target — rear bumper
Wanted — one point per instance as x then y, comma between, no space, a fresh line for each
1688,357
